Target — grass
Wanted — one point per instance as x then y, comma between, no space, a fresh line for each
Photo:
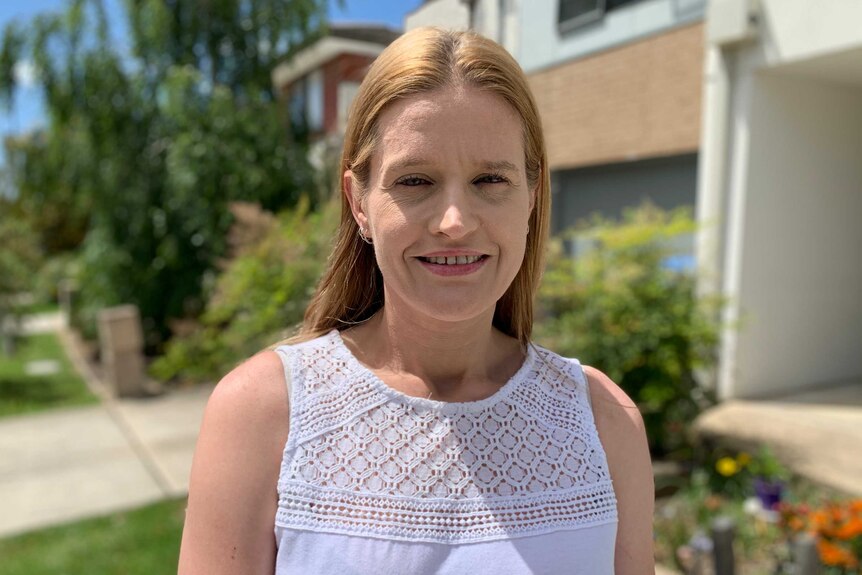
39,307
144,541
21,393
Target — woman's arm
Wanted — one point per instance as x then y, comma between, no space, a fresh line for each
232,491
621,430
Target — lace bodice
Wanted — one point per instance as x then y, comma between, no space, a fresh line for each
365,459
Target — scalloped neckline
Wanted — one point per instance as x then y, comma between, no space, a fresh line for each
445,406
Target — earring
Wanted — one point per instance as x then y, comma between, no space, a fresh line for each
363,234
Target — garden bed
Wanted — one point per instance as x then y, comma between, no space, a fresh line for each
762,538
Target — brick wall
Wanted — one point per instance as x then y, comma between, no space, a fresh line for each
635,101
344,67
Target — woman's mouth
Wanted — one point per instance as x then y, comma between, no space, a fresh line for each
452,260
453,265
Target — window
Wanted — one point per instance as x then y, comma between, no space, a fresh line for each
305,103
346,93
296,104
314,109
576,13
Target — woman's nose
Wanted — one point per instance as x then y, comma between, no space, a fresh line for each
457,218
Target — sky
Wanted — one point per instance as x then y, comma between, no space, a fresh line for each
28,112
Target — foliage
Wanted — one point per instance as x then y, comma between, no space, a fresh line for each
733,473
144,541
761,544
261,293
620,308
21,392
689,514
144,151
46,283
837,526
765,465
19,257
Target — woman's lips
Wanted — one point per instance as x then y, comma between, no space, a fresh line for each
471,264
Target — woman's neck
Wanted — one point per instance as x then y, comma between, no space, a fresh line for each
453,361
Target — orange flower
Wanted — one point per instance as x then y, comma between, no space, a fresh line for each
835,555
849,530
796,524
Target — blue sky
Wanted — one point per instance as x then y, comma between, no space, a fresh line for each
28,112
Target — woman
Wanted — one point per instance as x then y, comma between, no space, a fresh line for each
412,427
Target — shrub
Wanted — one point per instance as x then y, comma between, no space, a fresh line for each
260,294
622,308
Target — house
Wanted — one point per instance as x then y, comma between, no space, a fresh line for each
780,192
318,83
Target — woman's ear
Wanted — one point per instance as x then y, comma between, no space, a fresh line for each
533,192
351,192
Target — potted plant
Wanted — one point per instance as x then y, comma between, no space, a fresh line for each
769,478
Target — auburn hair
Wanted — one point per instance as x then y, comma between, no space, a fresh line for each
423,60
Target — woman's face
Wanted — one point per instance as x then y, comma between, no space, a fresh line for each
448,204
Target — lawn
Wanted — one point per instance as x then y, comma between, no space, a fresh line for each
145,541
23,393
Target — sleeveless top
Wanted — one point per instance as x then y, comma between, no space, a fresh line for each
375,481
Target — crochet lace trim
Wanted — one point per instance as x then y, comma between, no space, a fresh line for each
363,458
311,508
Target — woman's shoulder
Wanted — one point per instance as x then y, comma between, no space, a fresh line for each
623,436
237,459
617,417
252,398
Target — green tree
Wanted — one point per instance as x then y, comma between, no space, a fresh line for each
19,257
144,151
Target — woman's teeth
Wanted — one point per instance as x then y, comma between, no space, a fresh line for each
453,260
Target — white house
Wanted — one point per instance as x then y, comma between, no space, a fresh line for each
780,192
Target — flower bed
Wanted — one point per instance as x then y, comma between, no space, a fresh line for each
723,485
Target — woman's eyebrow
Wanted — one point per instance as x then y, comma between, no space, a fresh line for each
414,161
404,163
501,165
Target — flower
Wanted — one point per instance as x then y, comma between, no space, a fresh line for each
835,555
727,466
837,526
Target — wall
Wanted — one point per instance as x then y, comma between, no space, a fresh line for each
636,101
452,14
795,263
342,68
800,29
542,45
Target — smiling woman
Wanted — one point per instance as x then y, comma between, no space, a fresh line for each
412,426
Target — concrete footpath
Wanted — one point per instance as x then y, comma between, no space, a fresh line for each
70,464
65,465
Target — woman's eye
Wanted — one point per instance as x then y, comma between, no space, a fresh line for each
491,179
412,181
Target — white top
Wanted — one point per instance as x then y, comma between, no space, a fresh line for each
375,481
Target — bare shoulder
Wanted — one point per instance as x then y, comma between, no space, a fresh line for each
623,436
255,391
611,404
233,485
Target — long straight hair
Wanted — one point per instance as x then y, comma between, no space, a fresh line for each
423,60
